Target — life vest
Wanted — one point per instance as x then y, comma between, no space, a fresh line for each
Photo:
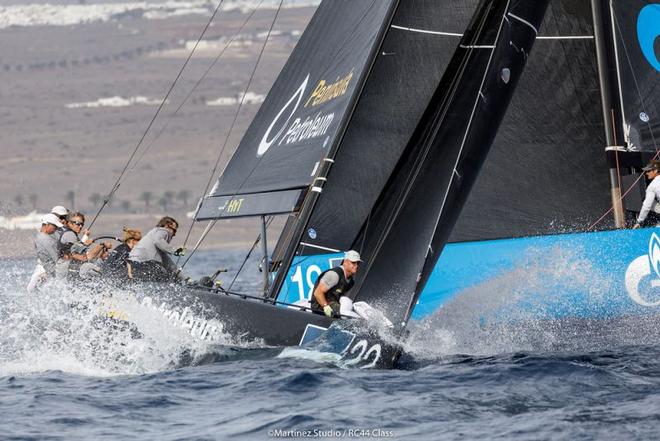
336,291
64,248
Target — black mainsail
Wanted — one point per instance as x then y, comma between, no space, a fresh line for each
413,58
304,114
547,171
417,212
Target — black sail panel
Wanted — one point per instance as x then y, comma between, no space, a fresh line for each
307,107
547,170
422,200
415,53
637,27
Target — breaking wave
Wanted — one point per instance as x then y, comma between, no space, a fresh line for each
85,331
532,308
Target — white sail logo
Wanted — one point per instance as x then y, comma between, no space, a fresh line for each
641,268
267,140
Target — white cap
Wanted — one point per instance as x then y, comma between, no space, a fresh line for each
353,256
52,219
59,210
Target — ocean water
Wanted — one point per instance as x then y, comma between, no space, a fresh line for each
66,375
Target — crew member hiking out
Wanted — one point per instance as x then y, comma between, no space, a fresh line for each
149,260
651,204
334,283
47,251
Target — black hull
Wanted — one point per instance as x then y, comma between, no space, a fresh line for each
253,319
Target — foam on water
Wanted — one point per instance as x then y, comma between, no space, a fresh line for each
68,329
532,308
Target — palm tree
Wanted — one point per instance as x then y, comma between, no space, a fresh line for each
71,199
183,196
95,198
146,197
33,200
163,202
126,206
169,195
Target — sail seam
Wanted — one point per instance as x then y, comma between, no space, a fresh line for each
311,245
522,20
485,46
539,37
565,37
426,31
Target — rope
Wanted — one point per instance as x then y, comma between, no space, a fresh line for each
202,78
117,183
648,123
254,245
231,128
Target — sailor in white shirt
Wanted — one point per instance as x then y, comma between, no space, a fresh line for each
652,198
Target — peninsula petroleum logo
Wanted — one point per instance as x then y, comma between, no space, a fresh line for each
643,276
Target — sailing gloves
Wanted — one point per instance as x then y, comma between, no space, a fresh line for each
180,252
327,310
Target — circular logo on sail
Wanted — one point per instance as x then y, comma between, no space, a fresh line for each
647,31
279,122
644,272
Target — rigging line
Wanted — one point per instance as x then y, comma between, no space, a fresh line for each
202,78
199,242
231,127
622,196
632,71
117,183
641,99
416,166
349,35
329,66
247,256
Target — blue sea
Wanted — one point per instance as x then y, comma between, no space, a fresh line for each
65,376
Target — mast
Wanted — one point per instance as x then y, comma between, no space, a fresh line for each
316,187
264,250
608,94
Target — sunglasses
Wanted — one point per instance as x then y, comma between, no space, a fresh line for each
80,224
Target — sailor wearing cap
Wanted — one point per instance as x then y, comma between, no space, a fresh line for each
652,198
61,213
47,251
334,283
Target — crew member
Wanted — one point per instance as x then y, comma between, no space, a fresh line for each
150,259
76,251
334,283
115,266
651,200
47,251
61,213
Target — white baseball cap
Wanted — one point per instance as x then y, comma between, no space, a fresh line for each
59,210
52,219
353,256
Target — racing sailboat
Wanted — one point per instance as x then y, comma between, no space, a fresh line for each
373,107
389,131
